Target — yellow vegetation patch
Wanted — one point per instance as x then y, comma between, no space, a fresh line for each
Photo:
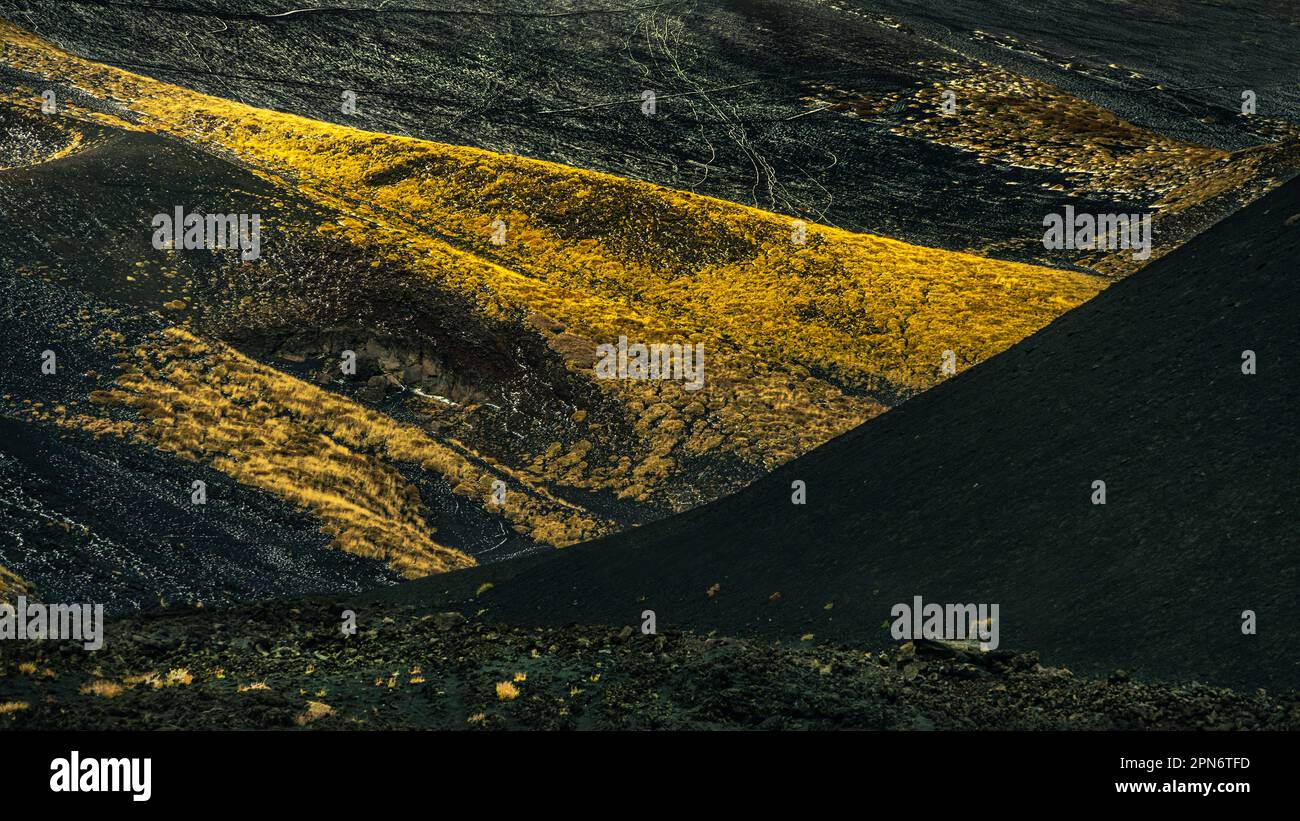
207,402
11,585
179,677
507,691
1025,122
102,688
620,256
315,711
1015,120
9,707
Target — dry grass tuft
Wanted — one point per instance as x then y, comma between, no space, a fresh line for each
507,691
315,711
102,688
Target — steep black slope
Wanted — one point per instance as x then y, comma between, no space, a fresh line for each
979,491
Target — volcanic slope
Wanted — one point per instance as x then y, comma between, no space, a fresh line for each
474,360
805,337
981,490
831,112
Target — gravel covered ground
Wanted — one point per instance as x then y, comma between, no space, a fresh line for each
288,665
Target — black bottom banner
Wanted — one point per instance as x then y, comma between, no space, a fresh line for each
139,772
